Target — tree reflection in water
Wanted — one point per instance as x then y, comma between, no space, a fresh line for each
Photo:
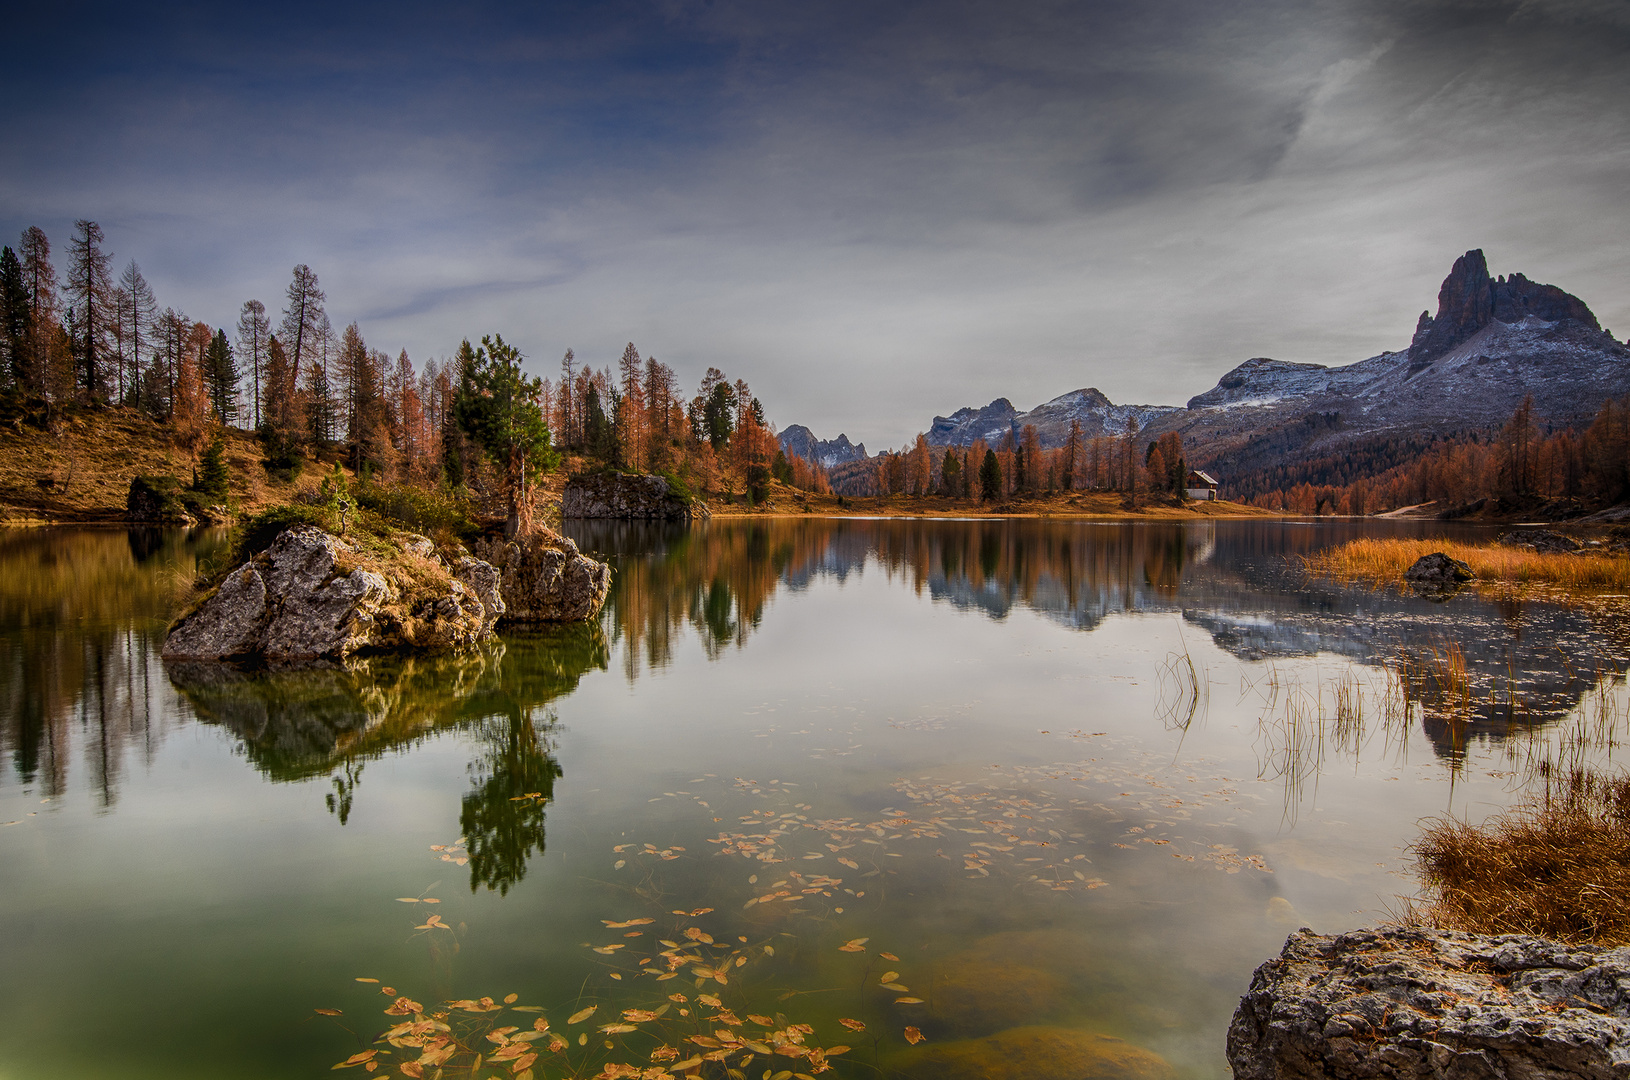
295,725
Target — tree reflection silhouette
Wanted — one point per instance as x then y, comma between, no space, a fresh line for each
502,816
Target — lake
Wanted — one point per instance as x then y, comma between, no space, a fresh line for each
880,779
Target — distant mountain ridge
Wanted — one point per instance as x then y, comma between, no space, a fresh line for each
799,441
1491,342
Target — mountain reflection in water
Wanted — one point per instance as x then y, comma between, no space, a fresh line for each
81,620
1239,582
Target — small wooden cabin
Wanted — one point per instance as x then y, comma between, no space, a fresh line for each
1201,485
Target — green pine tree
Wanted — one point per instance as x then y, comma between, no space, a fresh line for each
990,476
214,477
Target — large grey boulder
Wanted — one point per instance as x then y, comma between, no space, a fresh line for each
296,602
618,495
544,578
1407,1004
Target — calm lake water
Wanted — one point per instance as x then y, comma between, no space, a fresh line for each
1064,774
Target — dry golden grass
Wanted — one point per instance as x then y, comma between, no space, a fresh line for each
1557,866
81,470
1384,561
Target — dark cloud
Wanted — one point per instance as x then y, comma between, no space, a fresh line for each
873,212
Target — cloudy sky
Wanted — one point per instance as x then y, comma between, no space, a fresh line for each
872,211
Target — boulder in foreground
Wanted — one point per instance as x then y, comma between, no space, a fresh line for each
1406,1003
311,596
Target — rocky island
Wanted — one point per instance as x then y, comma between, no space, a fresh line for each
314,597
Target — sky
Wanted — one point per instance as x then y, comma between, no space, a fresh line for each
874,212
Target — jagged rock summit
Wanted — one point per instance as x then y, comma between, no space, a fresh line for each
1088,406
1469,300
1408,1004
799,441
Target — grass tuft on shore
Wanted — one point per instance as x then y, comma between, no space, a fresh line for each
1557,865
1382,562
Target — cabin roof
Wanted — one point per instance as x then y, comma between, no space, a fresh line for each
1204,478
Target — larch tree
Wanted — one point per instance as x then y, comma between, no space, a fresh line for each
254,332
138,317
498,407
40,279
90,287
631,411
302,328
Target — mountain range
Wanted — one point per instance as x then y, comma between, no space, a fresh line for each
1491,342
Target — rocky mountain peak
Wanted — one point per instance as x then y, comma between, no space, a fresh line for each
1470,299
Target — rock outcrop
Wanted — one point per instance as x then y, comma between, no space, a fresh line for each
1470,299
546,579
1415,1004
156,500
297,602
799,441
1542,540
618,495
1437,576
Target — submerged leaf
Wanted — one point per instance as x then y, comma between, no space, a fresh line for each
913,1036
581,1015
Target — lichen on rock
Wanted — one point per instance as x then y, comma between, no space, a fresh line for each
312,596
544,578
1412,1003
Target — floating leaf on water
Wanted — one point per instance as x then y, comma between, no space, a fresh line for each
607,950
710,1001
581,1015
407,899
908,1001
638,1016
857,945
889,957
913,1036
888,976
617,1029
367,980
852,1025
540,1024
619,864
834,1051
510,999
329,1012
761,1021
528,1008
769,950
625,925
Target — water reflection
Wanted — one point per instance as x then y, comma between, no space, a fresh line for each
294,725
1239,582
81,615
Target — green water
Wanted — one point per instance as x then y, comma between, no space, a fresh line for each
975,745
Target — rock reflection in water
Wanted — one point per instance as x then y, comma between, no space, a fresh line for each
294,725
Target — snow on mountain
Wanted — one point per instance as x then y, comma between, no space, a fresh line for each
799,441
